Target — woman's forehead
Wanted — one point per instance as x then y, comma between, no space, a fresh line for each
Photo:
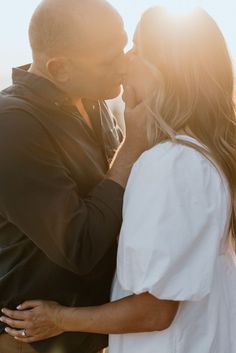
136,34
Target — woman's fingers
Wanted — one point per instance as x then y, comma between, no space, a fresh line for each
32,325
129,97
20,335
29,304
16,314
15,333
28,339
14,323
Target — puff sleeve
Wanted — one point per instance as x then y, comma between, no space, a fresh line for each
174,217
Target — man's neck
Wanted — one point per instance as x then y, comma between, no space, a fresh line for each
36,71
78,101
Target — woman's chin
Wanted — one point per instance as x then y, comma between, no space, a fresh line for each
113,93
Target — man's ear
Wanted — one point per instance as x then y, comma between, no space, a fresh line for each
58,69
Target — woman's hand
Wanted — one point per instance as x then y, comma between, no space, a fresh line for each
33,321
142,78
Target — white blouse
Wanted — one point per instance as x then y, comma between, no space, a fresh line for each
174,244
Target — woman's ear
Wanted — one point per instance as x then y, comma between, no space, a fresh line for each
58,69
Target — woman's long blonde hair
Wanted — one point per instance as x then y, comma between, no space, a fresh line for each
196,88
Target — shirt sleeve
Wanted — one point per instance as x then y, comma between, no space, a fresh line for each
174,218
39,196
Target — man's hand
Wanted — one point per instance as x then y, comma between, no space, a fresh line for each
33,321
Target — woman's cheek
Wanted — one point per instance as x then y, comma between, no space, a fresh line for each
136,81
143,89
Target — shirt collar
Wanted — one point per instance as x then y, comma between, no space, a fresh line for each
41,86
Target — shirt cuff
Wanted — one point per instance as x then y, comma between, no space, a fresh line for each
111,194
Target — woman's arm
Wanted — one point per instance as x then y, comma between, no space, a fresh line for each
136,313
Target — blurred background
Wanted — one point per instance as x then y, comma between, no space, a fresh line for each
15,16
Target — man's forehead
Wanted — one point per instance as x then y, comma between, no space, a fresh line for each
106,39
106,53
118,40
105,30
58,26
94,33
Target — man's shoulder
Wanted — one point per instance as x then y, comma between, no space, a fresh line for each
17,121
13,109
10,100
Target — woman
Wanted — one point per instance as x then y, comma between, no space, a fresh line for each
175,287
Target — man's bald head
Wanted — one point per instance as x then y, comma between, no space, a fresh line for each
79,46
60,26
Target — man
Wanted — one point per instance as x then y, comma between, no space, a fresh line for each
60,208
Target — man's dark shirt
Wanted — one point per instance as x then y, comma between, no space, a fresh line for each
59,217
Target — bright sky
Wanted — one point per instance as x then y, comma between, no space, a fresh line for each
15,16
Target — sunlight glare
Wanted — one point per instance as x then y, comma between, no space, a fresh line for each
181,8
